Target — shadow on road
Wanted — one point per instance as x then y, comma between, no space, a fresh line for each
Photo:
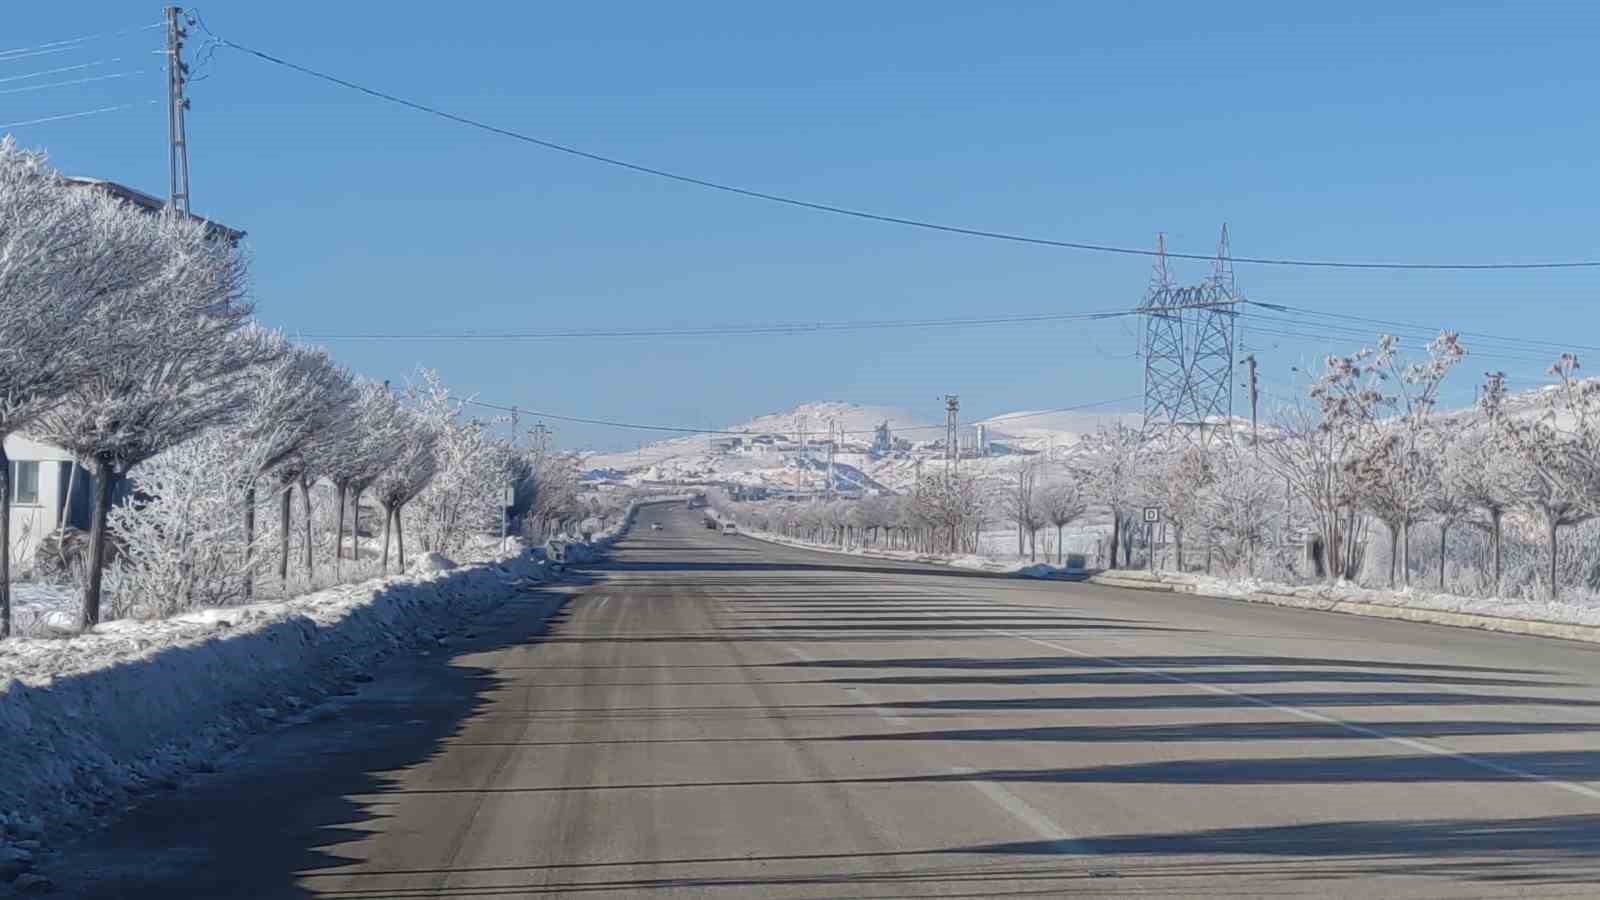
274,814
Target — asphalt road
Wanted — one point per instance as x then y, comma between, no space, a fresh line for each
716,716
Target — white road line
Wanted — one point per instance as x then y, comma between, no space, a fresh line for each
1581,790
1023,812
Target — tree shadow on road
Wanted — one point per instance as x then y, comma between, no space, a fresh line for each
287,795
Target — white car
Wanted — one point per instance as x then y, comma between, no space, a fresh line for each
655,526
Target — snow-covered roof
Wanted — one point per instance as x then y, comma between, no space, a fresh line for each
150,203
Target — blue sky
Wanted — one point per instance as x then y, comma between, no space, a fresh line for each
1453,132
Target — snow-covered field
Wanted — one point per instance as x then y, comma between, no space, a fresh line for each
89,721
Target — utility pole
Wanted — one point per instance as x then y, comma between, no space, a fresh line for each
952,405
177,142
1255,439
831,431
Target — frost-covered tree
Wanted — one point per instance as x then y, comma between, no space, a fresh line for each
413,467
1238,505
1446,500
61,253
1560,452
1384,405
180,543
1020,503
1113,458
1175,481
171,363
1483,469
473,468
300,396
360,453
555,500
1064,502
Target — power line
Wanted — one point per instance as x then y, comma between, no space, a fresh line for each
69,43
69,83
862,214
59,69
678,429
76,115
727,330
1535,342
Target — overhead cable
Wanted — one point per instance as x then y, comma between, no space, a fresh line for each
863,214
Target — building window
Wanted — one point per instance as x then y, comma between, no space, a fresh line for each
25,482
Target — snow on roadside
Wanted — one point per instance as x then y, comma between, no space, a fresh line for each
1564,612
89,721
38,608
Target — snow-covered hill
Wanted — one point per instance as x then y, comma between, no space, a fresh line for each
1062,429
778,463
857,420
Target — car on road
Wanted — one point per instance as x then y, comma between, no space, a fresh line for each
729,528
655,526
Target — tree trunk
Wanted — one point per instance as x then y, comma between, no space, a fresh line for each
1444,529
1060,547
388,516
1552,523
355,527
104,482
1405,554
1127,545
5,541
283,532
1394,552
400,535
250,540
338,529
305,507
1116,527
1033,545
1496,517
1177,544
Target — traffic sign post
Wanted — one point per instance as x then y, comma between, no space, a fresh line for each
508,499
1152,515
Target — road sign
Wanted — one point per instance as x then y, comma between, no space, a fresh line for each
1152,514
508,497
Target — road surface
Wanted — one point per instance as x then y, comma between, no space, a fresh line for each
716,716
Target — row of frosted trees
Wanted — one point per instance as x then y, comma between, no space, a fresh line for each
126,339
1364,479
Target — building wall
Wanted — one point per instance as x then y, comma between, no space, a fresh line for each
32,521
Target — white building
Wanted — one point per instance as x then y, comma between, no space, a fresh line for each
40,475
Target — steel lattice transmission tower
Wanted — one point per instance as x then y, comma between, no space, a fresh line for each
1188,349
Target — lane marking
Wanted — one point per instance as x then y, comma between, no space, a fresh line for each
1299,712
1019,809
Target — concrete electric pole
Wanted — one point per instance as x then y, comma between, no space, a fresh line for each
177,141
952,405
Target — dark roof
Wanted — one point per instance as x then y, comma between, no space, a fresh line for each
150,204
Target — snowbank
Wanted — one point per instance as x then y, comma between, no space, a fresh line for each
86,722
1564,612
432,562
1572,620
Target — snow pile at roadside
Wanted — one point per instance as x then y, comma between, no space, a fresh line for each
88,721
1565,612
40,608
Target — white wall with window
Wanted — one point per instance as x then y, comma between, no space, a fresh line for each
41,478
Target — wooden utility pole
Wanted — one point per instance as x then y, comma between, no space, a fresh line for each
177,105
